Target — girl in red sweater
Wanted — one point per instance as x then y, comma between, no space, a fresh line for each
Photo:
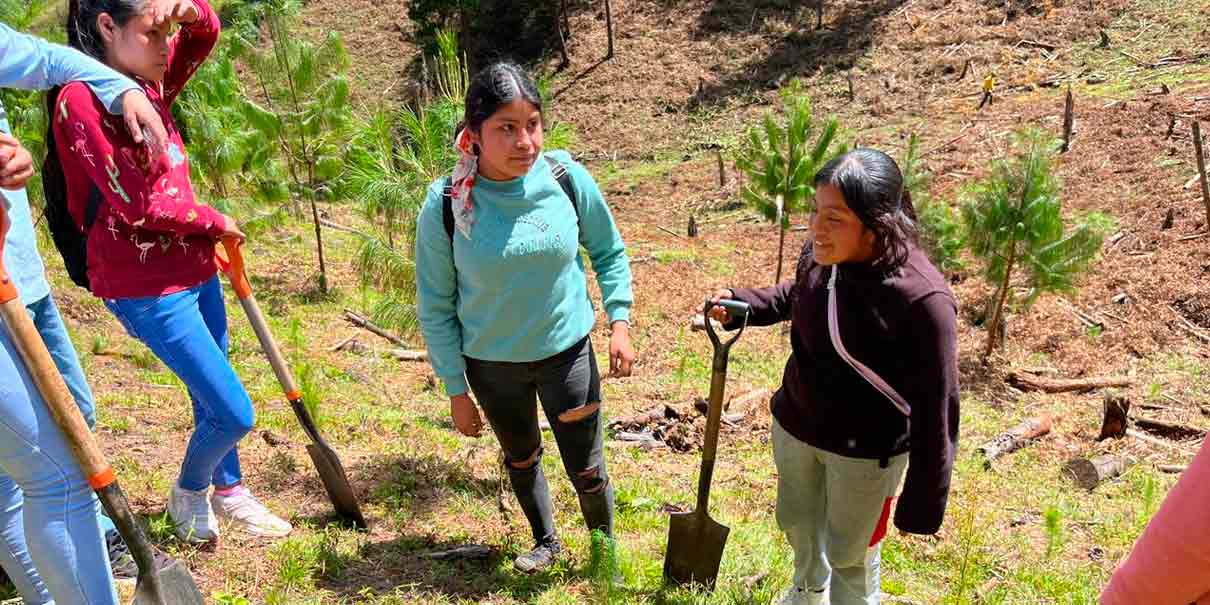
150,242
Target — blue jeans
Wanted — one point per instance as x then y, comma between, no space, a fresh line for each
47,502
15,554
187,330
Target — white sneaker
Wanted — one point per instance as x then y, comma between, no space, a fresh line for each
244,511
192,516
802,596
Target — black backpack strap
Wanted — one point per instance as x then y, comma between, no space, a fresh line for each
447,209
560,173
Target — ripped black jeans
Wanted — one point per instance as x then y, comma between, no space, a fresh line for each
569,387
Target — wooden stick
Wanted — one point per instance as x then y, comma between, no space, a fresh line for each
363,322
340,345
609,28
1171,468
1068,120
338,227
669,231
1201,169
1027,382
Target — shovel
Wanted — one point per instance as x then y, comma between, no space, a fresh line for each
695,541
170,585
340,492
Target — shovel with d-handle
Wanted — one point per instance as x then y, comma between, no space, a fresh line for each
695,541
169,585
340,492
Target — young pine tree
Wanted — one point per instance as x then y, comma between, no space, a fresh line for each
392,160
780,158
1015,225
307,111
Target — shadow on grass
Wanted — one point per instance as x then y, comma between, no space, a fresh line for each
848,32
406,562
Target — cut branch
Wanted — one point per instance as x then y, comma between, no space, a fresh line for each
1029,382
1015,438
364,322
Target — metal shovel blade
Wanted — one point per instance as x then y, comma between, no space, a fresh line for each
336,482
175,587
695,548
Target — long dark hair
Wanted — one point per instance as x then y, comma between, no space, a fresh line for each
84,35
495,85
872,186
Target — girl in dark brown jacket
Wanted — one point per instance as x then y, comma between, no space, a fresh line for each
871,386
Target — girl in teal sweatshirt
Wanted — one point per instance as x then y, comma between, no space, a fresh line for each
504,304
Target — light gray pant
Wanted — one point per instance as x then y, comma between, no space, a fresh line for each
830,507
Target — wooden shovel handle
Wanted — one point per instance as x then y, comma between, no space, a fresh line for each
48,379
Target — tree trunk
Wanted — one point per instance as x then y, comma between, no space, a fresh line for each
609,29
993,326
319,237
1201,169
1068,120
1091,472
560,19
1029,382
566,20
819,14
781,241
1015,438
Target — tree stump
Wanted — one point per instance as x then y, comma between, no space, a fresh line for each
1113,423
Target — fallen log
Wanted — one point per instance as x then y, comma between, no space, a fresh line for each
1169,430
363,322
741,402
1145,438
653,416
1029,382
1115,417
1015,438
1088,473
406,355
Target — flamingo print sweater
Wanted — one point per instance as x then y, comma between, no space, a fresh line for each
151,236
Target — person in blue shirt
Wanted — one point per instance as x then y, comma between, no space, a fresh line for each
44,500
503,299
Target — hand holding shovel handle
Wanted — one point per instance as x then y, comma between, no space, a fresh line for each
171,585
